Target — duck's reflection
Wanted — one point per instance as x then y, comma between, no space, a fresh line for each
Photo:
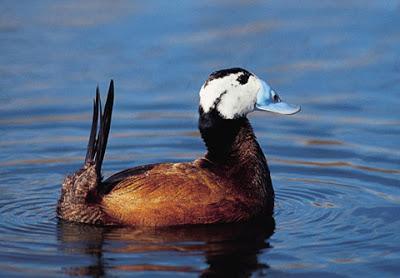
228,250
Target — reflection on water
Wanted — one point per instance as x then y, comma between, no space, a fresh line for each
226,250
335,165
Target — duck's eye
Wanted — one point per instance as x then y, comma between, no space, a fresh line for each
276,98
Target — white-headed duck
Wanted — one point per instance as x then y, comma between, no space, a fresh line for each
231,183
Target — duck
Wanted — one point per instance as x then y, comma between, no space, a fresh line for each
231,183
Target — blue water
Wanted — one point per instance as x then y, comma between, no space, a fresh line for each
335,166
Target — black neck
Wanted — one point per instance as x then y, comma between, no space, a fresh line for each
227,139
232,145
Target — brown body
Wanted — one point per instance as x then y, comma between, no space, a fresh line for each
199,192
176,194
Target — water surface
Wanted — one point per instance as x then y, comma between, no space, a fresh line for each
335,166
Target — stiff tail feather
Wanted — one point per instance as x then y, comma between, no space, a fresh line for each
98,138
105,124
93,131
79,191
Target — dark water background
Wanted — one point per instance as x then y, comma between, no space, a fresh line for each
335,166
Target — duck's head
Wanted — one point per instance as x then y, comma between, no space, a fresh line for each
235,92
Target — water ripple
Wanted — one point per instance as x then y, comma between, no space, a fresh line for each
34,211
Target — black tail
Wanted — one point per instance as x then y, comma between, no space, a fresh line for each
93,132
98,138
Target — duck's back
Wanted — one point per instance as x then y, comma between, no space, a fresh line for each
175,194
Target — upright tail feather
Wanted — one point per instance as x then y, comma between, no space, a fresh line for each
98,138
93,132
105,123
81,190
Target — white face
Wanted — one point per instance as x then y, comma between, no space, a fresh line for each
228,96
236,92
